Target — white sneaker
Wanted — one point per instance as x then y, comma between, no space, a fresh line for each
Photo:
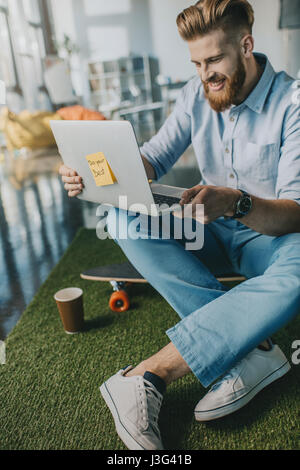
235,389
135,404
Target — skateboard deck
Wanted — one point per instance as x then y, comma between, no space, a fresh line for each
120,276
124,272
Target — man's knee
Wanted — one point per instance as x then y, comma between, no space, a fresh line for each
118,223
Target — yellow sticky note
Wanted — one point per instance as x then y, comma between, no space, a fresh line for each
102,172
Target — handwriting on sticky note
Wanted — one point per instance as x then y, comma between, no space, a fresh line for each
101,170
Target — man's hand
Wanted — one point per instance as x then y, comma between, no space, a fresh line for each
218,201
73,182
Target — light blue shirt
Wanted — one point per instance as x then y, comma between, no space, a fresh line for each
254,146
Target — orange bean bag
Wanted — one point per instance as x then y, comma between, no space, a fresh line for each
79,113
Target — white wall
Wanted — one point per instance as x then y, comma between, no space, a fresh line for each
109,29
168,46
281,46
63,12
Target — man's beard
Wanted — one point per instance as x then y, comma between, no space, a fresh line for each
223,99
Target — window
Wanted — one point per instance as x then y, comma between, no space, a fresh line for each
8,71
290,14
31,10
24,31
38,52
32,51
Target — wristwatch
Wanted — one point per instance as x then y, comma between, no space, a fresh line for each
243,205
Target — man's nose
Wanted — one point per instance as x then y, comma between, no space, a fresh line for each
206,77
205,73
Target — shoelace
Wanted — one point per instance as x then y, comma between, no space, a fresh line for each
154,401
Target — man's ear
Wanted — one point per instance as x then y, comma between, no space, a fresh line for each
247,45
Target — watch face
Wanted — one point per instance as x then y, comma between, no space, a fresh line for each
245,205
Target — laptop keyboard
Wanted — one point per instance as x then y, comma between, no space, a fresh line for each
162,199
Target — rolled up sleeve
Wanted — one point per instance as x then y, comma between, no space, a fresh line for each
288,178
174,137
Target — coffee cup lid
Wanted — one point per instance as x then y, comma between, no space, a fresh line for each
68,294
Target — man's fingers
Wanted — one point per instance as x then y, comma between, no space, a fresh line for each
66,171
73,193
72,180
189,194
73,187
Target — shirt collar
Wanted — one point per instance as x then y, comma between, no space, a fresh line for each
258,96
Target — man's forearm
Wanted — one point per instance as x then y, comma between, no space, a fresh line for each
270,217
273,217
151,174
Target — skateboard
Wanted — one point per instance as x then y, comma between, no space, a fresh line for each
121,276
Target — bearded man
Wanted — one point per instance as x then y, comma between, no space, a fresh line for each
240,117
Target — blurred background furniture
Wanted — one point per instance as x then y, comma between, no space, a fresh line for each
146,119
169,90
126,88
127,79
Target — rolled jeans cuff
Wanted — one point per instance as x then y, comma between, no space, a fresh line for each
211,361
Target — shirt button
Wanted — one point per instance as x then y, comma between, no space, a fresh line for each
231,175
231,119
227,150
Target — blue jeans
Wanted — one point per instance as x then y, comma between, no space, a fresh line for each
218,326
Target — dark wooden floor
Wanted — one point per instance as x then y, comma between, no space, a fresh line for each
37,223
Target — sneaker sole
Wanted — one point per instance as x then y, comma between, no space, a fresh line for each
124,435
240,402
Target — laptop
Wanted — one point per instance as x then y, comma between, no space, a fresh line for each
80,142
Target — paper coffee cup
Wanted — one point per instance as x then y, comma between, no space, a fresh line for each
70,306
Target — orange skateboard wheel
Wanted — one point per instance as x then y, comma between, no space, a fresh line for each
119,301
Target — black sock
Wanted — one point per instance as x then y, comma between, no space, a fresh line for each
157,381
264,348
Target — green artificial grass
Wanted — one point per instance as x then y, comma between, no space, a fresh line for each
49,387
